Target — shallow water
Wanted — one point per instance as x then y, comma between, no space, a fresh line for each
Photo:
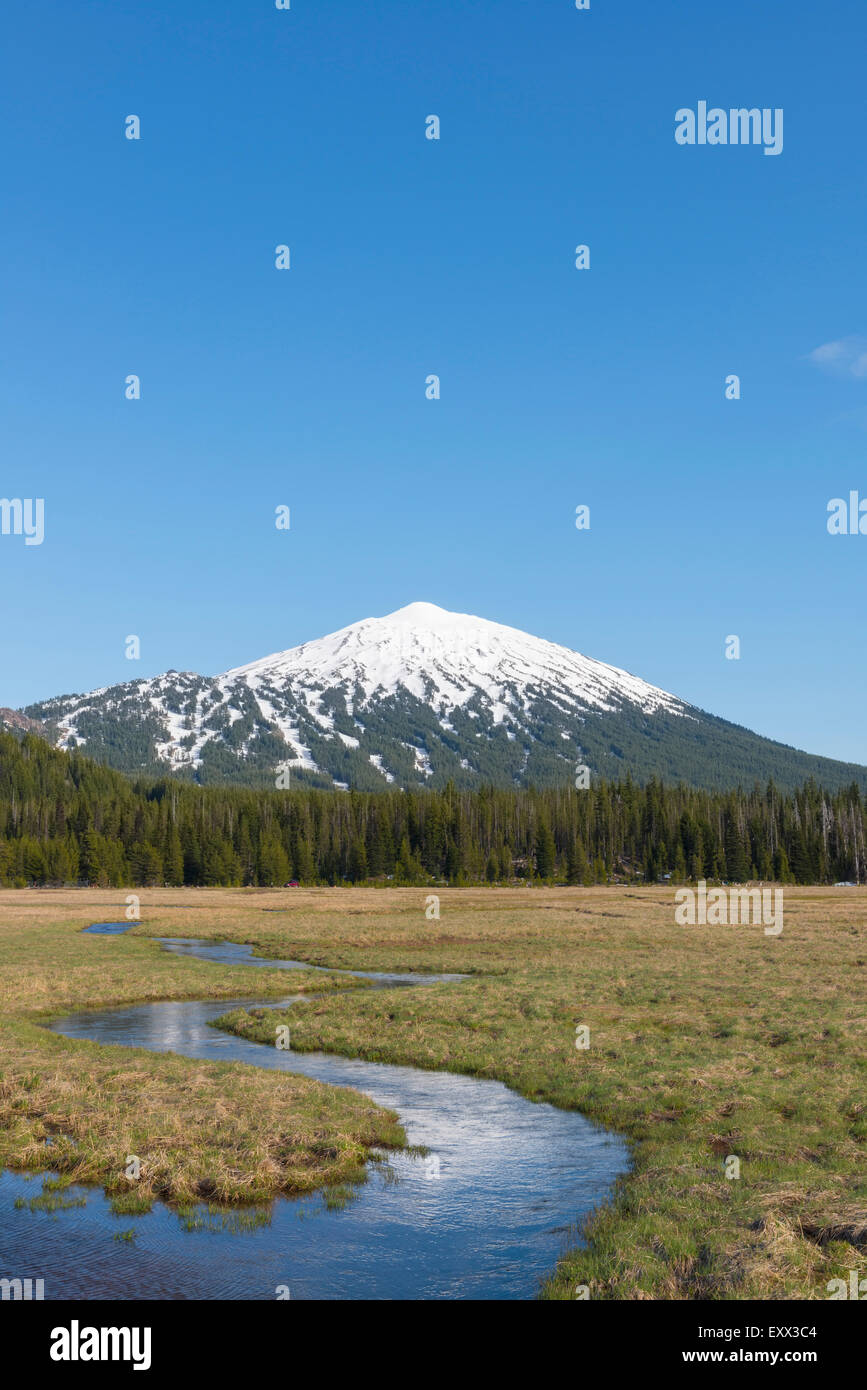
484,1216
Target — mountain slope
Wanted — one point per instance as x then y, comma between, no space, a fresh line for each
417,698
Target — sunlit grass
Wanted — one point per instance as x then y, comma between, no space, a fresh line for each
705,1043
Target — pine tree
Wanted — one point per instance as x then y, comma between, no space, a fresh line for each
404,865
273,861
800,859
173,857
782,872
545,850
452,863
305,868
357,861
736,859
577,867
93,866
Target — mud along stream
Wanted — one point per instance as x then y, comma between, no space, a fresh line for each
485,1215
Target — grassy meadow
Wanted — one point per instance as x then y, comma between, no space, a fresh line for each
705,1043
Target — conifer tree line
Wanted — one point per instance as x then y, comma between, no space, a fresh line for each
67,820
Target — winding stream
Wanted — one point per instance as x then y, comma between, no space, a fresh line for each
485,1216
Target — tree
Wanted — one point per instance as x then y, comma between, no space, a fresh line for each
782,872
94,869
545,850
305,867
357,861
173,857
736,860
404,865
802,869
453,861
273,861
577,867
147,866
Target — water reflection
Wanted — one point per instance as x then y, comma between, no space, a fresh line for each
485,1216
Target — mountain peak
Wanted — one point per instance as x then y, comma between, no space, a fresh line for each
448,660
419,612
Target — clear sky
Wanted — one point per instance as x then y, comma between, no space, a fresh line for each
455,257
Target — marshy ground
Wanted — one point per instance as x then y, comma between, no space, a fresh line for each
705,1044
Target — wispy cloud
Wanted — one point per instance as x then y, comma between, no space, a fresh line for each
845,357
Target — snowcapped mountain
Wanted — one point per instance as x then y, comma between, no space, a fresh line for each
419,697
446,659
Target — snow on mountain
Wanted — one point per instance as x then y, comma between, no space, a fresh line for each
447,658
417,698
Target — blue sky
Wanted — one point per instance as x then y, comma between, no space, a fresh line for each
409,257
